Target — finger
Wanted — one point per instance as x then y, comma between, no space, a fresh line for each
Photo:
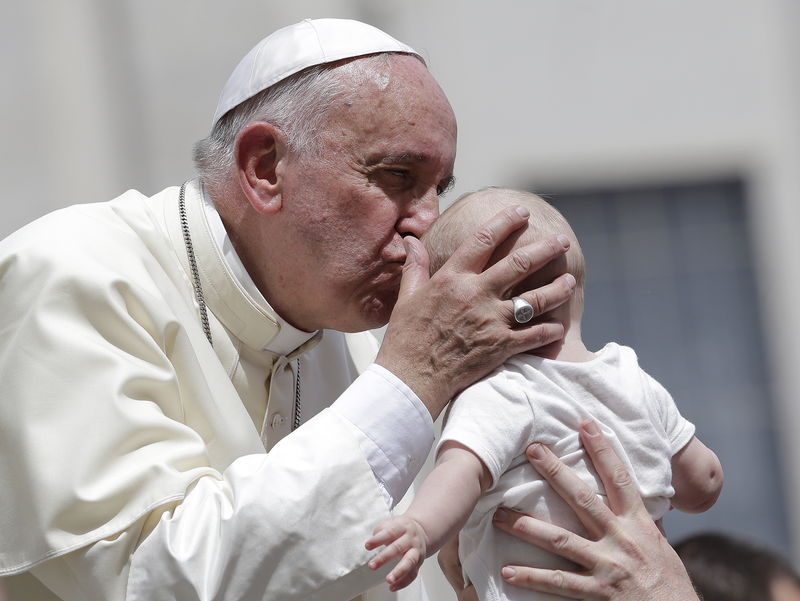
509,271
546,298
524,338
381,536
402,582
416,270
378,561
547,536
405,571
623,495
450,564
468,594
385,555
567,584
474,253
590,510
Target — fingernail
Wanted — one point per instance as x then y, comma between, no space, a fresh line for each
501,515
564,240
536,452
508,572
591,429
522,211
570,279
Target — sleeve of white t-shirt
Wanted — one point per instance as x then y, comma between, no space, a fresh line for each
678,429
494,419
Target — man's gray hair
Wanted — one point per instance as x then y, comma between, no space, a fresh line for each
297,105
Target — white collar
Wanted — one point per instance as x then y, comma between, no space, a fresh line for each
288,337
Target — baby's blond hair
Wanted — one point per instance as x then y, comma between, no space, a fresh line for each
473,209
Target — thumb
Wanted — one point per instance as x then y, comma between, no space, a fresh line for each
416,270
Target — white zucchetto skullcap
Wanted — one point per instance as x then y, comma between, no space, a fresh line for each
296,47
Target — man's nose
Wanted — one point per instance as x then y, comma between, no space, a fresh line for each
419,216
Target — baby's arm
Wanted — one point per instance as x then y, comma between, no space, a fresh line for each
442,506
696,477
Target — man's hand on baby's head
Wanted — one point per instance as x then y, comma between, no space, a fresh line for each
450,329
401,537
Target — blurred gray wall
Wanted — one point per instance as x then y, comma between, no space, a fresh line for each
103,96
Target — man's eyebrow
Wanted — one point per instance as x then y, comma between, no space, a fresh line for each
402,158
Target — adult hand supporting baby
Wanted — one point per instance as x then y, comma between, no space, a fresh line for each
627,557
451,568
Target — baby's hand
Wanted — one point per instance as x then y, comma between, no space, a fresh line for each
404,537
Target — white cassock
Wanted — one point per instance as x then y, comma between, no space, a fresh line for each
133,458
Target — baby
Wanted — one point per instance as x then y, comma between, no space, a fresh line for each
541,397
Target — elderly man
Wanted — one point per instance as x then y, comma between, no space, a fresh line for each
153,349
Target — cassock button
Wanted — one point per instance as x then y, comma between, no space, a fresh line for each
277,421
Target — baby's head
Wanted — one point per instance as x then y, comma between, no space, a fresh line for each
472,210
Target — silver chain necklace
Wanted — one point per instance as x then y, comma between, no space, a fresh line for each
298,408
201,301
187,240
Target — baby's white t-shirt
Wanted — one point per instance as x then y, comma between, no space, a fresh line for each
531,399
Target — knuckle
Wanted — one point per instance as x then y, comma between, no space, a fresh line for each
620,477
549,468
445,277
631,550
537,302
617,572
604,449
484,237
520,261
557,578
585,499
560,541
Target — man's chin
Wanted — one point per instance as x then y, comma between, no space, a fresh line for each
375,315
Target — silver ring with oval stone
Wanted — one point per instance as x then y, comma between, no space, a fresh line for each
523,310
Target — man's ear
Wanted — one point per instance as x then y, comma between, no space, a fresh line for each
261,151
